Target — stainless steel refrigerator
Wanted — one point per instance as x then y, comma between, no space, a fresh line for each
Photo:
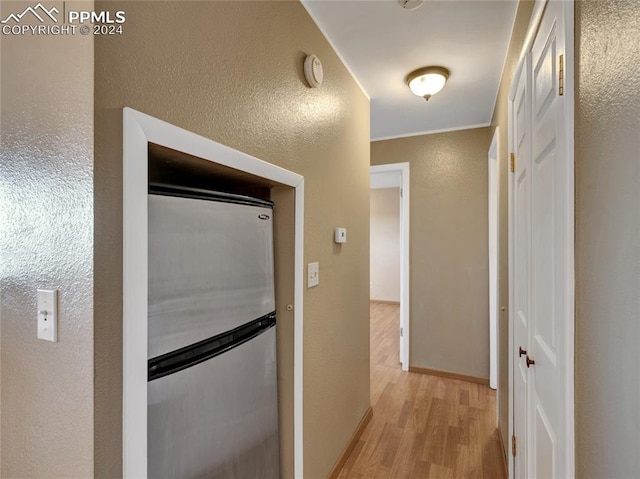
212,390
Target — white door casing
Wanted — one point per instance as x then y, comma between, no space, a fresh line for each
541,251
494,289
386,176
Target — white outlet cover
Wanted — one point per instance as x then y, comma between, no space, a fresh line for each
313,274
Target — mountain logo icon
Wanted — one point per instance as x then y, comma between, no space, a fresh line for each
39,11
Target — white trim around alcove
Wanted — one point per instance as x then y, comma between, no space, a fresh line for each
139,130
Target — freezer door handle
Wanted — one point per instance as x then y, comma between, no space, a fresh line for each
201,351
200,194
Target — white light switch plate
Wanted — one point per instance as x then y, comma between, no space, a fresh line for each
48,314
313,274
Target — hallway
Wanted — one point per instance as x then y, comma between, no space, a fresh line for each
423,426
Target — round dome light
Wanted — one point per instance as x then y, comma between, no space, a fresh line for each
427,81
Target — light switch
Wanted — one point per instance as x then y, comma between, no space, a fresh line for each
48,314
313,274
340,235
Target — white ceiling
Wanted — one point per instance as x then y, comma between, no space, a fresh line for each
381,43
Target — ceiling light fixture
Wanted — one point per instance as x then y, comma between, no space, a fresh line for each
427,81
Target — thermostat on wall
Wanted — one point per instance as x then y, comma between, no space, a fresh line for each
340,235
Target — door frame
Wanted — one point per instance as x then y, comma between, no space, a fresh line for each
534,24
139,130
405,306
494,248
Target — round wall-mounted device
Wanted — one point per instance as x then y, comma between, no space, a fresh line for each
313,71
410,4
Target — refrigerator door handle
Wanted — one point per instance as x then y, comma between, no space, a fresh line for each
201,351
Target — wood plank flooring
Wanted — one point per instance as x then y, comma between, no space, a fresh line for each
422,426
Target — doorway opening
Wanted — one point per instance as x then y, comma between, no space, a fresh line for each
390,254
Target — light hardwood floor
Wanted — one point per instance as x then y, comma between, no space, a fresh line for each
422,426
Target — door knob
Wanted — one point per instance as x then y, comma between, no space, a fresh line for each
521,351
530,361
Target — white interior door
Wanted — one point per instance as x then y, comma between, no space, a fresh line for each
522,264
542,245
547,331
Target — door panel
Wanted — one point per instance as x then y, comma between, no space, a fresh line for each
545,445
543,232
217,419
544,74
194,291
548,320
522,253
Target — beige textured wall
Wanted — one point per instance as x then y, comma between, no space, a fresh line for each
501,120
46,241
449,247
232,71
385,244
607,239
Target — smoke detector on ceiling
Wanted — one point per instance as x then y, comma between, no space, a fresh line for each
410,4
